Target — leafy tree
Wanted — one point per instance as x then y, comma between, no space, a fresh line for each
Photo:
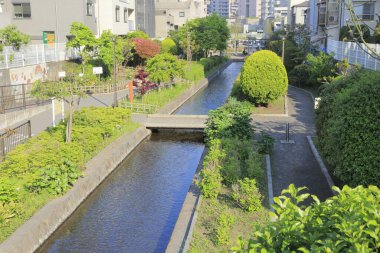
168,46
292,56
145,48
320,68
69,90
11,36
263,77
164,67
106,49
137,34
348,222
83,39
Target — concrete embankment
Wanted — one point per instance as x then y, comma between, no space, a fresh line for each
31,235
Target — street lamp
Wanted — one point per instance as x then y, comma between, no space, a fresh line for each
114,72
283,48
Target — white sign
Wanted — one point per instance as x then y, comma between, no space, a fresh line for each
97,70
61,74
81,74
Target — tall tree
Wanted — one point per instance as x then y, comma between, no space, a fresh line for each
106,49
11,36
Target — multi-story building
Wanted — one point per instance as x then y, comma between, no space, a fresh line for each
327,17
267,9
280,18
145,16
299,14
250,8
172,14
234,9
51,19
221,7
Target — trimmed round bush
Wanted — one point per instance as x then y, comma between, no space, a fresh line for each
263,77
348,128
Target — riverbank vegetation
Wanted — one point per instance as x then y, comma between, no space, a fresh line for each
46,166
233,182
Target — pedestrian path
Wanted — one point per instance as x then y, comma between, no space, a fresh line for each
295,163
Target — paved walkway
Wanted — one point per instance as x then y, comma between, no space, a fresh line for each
295,163
42,120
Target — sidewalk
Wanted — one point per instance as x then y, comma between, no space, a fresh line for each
294,163
42,120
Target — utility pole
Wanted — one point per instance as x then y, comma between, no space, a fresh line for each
114,72
283,49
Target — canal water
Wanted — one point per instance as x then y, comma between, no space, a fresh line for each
136,208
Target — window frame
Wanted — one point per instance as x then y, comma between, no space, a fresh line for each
89,8
125,15
23,14
181,14
117,13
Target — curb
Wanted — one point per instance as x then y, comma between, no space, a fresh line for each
321,163
270,183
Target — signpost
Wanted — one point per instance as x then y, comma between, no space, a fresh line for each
97,71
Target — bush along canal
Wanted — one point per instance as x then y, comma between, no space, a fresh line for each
136,208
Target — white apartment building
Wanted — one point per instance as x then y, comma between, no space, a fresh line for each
280,18
267,9
221,7
172,14
234,8
39,18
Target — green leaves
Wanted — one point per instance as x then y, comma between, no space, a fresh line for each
82,36
349,222
247,195
11,36
164,67
263,77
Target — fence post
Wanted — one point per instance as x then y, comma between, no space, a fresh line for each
37,54
2,147
2,100
6,59
23,96
29,129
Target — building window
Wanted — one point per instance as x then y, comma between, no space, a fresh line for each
368,12
89,6
22,10
182,14
117,13
125,15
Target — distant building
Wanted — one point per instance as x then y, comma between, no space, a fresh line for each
280,18
299,14
145,19
234,9
172,14
250,8
50,20
221,7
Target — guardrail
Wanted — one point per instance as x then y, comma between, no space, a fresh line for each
139,107
10,138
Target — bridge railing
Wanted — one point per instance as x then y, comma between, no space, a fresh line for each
139,107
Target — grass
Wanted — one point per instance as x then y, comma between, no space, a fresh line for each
29,203
203,236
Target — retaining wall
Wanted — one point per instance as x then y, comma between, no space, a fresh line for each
32,234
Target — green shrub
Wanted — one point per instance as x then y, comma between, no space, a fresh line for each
211,180
55,179
347,123
168,46
231,120
320,68
247,195
299,75
212,62
263,77
164,67
349,222
224,224
265,143
195,72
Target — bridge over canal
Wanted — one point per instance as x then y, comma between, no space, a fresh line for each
165,121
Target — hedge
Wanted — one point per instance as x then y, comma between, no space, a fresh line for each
263,77
212,62
348,128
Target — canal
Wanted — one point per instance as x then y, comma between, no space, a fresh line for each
136,208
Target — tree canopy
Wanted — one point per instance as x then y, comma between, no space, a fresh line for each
11,36
82,36
164,67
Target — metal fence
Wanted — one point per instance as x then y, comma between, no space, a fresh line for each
355,53
15,97
10,138
138,107
36,54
